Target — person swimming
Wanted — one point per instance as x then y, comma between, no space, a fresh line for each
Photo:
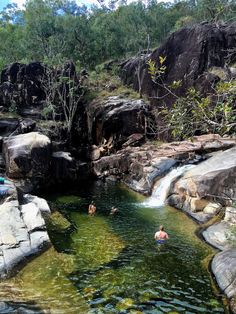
113,210
161,236
92,209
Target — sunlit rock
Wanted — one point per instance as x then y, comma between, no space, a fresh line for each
27,155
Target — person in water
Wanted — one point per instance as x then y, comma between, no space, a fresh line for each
113,210
161,236
92,209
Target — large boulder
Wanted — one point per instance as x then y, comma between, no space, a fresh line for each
63,167
22,84
210,181
27,156
111,121
218,235
224,269
8,126
190,54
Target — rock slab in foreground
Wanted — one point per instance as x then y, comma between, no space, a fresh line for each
22,233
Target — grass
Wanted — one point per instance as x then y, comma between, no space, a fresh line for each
104,84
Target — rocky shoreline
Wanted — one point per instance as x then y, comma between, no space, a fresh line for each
23,230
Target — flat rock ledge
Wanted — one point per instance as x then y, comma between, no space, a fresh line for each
22,232
140,167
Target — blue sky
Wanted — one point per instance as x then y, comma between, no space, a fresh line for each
3,3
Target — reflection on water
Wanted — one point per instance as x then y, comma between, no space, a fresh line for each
111,264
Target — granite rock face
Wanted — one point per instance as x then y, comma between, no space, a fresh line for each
63,167
23,233
224,269
218,235
213,180
140,167
27,155
112,120
191,53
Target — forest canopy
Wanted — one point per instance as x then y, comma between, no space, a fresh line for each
53,31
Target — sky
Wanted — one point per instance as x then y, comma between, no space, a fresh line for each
20,3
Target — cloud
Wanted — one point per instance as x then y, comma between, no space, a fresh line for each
20,3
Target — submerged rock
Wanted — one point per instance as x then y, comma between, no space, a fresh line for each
58,223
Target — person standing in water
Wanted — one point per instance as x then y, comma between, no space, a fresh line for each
92,209
161,236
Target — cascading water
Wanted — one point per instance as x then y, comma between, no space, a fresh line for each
159,194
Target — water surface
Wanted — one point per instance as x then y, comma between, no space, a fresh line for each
111,264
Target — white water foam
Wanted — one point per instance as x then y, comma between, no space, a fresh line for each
159,194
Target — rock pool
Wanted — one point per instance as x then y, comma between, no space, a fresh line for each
111,263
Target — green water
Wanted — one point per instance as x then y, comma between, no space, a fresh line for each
111,264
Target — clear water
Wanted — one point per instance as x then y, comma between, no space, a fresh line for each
111,264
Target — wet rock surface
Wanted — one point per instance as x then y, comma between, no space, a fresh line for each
211,181
140,167
218,235
63,167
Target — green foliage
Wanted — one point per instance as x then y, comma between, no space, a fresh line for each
184,21
194,113
102,84
56,30
154,70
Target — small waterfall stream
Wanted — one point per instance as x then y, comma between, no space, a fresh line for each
159,193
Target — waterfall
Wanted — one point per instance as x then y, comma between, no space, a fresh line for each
159,194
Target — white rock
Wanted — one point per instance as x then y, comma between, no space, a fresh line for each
38,239
212,208
218,235
41,203
230,215
32,217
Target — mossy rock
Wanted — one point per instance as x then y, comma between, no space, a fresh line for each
124,304
57,222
